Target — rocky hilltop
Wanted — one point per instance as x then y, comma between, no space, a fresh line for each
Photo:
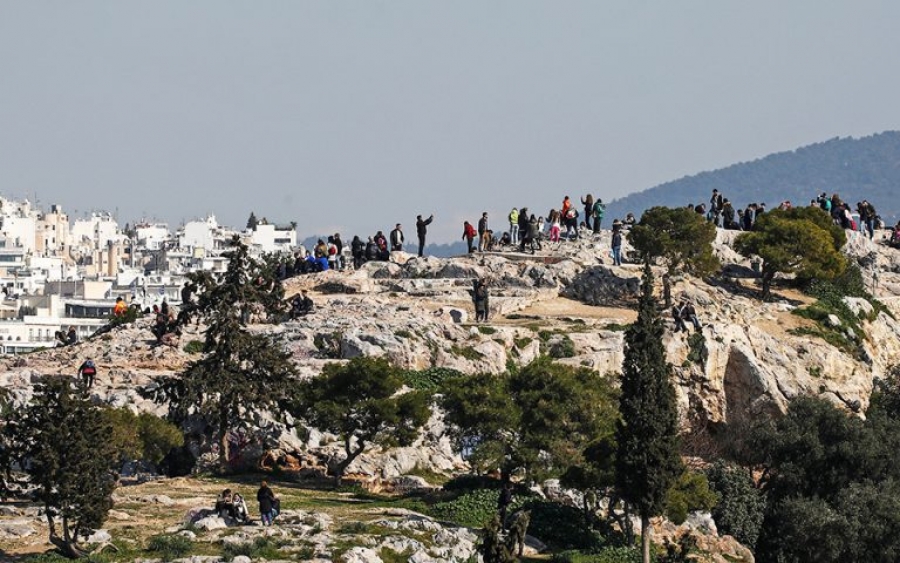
750,357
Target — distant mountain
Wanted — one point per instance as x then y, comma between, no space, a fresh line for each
855,169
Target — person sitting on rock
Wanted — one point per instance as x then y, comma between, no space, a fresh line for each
679,320
688,313
240,508
71,337
60,337
225,505
301,305
120,308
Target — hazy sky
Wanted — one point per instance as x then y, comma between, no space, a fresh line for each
352,116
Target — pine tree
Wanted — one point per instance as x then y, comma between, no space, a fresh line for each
360,403
241,372
647,460
60,440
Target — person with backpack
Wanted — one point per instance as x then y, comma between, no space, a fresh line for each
372,250
599,209
397,238
421,230
871,217
87,372
268,504
469,235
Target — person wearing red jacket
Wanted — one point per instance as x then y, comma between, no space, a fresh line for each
469,235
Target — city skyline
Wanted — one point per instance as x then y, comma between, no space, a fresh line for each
351,118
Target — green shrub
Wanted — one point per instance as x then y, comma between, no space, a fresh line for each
560,526
562,347
473,509
193,347
741,505
697,352
486,329
604,555
403,333
329,344
169,547
143,437
430,379
469,482
690,493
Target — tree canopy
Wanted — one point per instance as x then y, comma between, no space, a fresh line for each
241,371
831,481
361,403
539,419
679,236
60,440
802,241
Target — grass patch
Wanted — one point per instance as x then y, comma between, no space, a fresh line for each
522,342
403,333
486,329
259,548
466,352
193,347
432,477
170,547
616,327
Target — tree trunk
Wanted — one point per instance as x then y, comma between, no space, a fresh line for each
224,449
767,283
351,455
646,530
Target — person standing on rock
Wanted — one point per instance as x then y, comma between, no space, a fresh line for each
598,211
514,226
422,230
268,504
397,238
482,229
588,202
469,235
617,247
480,299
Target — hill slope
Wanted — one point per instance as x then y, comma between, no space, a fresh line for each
854,168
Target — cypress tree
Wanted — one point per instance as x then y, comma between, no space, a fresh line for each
648,460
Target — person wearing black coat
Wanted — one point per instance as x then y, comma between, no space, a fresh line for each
422,230
268,504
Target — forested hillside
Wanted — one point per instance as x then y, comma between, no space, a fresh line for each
854,168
